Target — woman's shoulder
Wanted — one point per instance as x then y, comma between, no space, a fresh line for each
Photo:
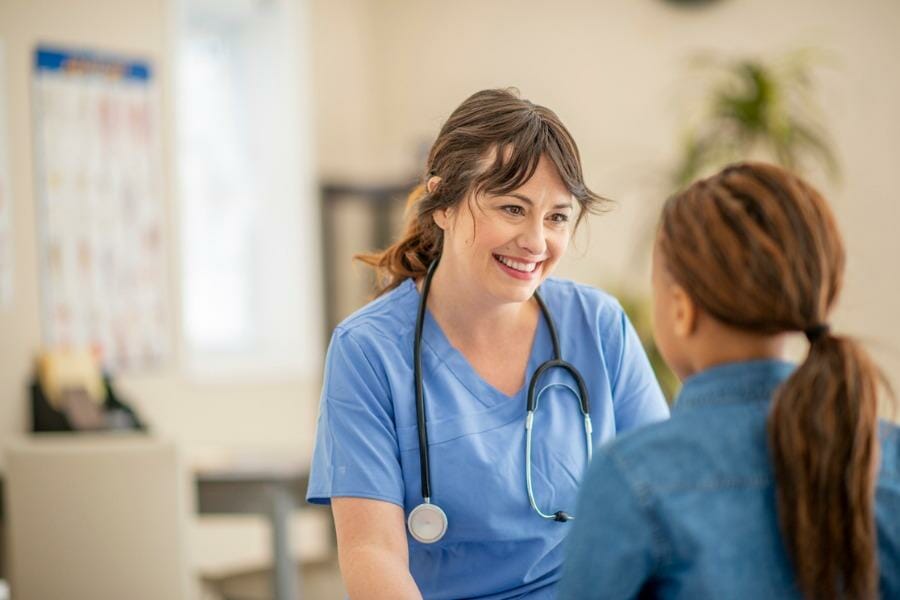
575,291
570,297
390,316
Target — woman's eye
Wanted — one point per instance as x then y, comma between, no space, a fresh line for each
559,218
514,210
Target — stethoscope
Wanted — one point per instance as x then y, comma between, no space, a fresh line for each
427,522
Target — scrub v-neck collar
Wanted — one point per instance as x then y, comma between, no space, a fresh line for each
436,340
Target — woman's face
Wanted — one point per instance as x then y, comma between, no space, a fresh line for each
503,247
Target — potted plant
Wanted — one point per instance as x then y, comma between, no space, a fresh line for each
747,108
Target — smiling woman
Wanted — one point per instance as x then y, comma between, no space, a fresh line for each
519,235
425,392
490,146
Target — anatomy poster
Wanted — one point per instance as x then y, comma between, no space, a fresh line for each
6,207
100,207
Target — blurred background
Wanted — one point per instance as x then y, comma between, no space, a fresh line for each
183,184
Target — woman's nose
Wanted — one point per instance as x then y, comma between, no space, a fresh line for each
532,238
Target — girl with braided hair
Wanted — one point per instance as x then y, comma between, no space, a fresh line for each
771,480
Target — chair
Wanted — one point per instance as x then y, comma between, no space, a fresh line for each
97,518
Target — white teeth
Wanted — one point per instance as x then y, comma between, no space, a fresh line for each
525,267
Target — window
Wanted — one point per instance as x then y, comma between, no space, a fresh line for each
248,213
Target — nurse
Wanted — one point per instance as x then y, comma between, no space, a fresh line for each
437,488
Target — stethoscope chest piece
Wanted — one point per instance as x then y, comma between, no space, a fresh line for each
427,523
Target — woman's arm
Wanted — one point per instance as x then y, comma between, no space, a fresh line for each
637,399
372,549
356,468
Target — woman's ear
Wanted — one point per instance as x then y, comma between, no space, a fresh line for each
442,215
684,312
440,218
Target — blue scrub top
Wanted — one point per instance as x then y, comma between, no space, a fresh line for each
496,546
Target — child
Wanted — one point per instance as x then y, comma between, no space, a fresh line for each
770,480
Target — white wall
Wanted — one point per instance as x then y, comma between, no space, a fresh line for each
230,412
387,72
615,73
133,27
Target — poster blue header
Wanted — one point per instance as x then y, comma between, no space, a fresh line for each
83,61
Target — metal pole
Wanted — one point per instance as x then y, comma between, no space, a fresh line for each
285,576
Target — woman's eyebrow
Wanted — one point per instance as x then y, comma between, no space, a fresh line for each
530,202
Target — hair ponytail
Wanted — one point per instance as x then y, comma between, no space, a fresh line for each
823,437
411,255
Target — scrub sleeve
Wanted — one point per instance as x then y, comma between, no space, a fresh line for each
356,444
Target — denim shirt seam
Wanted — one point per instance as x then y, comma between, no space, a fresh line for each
755,481
711,400
643,493
741,390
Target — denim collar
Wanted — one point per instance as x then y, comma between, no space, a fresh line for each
733,383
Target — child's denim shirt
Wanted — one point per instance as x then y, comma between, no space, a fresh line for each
686,508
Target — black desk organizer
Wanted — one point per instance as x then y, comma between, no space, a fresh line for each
118,415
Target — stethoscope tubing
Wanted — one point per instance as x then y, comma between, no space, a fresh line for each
532,401
420,392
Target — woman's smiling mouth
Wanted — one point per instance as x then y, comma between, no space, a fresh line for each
519,269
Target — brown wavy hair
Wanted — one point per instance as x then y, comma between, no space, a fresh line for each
490,144
757,248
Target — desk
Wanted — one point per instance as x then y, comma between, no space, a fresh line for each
259,485
272,488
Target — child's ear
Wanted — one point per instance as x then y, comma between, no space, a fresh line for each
684,312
